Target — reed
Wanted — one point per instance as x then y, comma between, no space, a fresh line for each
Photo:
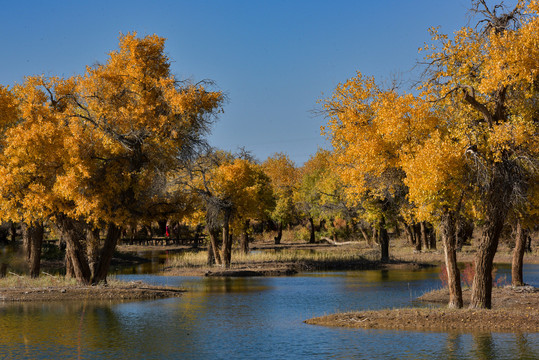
199,259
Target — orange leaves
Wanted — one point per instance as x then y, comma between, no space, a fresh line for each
8,108
371,130
244,185
98,147
435,175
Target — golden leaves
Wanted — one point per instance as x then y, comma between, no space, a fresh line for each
97,146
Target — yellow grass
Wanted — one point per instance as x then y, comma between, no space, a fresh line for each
13,281
347,253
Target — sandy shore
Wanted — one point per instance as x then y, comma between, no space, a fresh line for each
514,310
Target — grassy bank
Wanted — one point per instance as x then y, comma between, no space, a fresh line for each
58,288
284,259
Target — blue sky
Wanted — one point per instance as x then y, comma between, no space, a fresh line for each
273,59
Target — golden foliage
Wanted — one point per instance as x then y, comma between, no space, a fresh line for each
97,147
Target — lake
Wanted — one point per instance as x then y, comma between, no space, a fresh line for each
250,318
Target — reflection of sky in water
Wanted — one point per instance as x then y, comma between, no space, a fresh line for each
260,318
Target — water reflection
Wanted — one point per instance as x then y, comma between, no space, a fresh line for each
484,346
248,318
525,347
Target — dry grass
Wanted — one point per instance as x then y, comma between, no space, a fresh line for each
13,281
257,257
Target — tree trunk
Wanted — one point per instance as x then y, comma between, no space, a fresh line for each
464,231
364,234
70,273
162,227
13,231
417,236
424,238
92,249
447,226
374,238
244,240
432,237
518,255
311,226
409,234
397,230
496,208
32,242
227,240
213,234
211,258
383,240
279,233
105,257
482,283
74,234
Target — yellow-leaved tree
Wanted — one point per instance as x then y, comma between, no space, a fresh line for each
231,191
371,129
284,180
487,78
92,152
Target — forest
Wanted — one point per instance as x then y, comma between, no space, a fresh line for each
98,159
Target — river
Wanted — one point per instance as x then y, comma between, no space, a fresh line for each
250,318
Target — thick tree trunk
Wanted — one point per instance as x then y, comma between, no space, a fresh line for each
105,256
518,255
279,233
383,240
447,226
74,235
226,251
311,226
497,206
244,240
33,241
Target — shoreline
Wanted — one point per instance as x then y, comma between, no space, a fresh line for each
117,291
514,310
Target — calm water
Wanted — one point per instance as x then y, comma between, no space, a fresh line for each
249,318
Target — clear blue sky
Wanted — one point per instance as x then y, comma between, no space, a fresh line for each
274,59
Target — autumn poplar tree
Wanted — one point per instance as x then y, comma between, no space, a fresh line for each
232,191
488,77
32,228
92,152
370,129
284,178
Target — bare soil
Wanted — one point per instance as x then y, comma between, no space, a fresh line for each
123,291
515,309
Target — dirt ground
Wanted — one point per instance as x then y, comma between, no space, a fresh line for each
122,291
513,310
